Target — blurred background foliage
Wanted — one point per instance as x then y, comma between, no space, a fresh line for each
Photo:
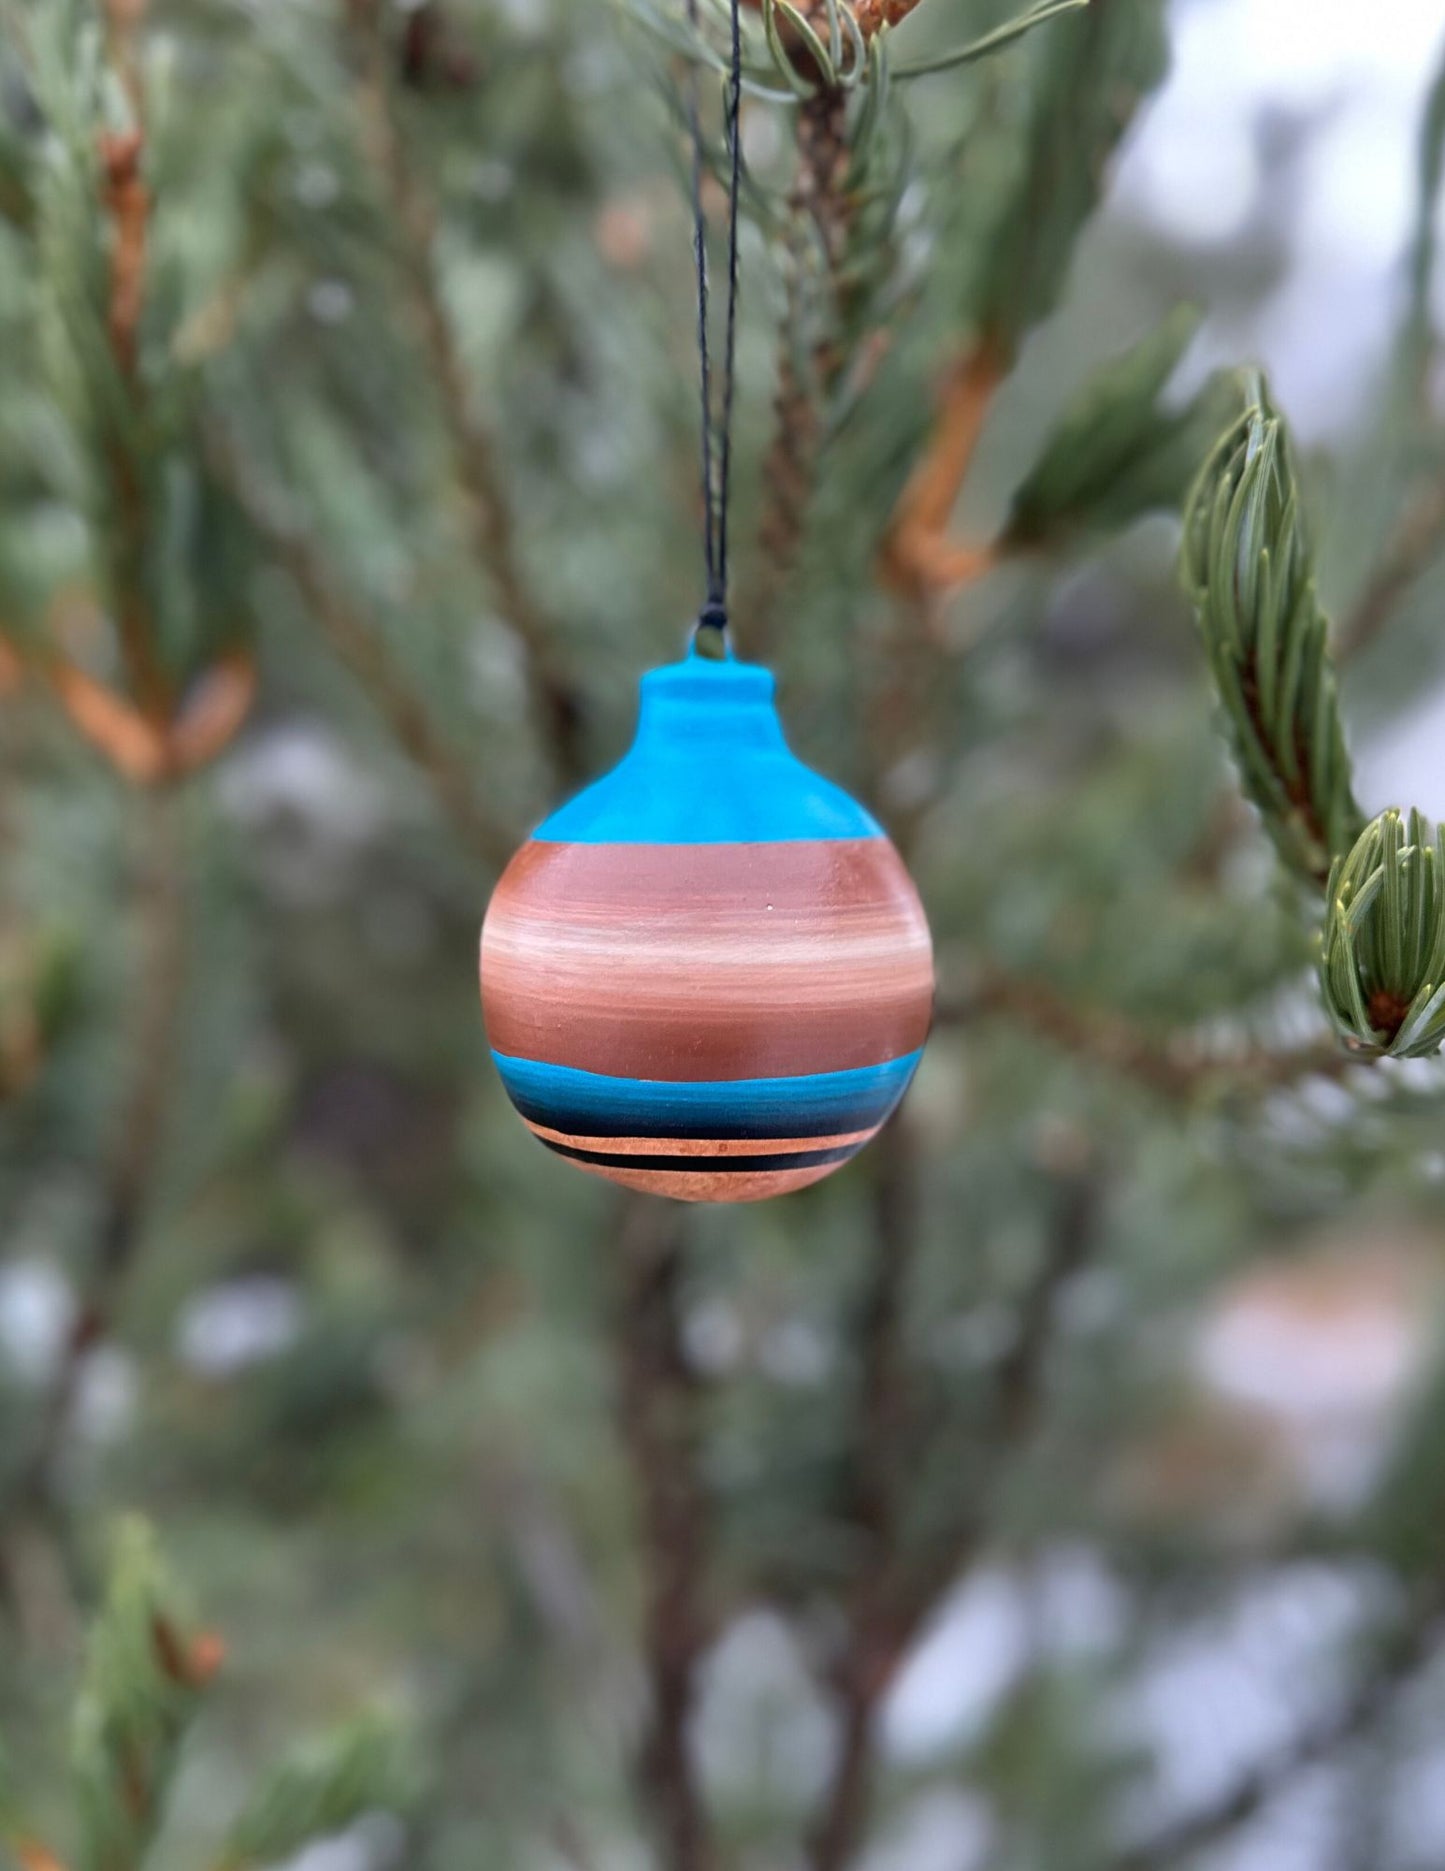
1059,1487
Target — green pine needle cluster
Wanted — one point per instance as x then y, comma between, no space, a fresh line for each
147,1671
1248,568
1382,965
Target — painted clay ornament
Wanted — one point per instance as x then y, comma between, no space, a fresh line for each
709,975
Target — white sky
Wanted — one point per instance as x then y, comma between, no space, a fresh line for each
1358,74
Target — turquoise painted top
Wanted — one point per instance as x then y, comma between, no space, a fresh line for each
709,766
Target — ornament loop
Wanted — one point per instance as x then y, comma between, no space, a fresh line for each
710,634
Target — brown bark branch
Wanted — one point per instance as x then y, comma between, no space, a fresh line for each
127,201
1179,1068
659,1410
895,1596
870,1655
1417,541
557,701
819,198
873,15
1404,1655
155,1006
1016,1411
917,559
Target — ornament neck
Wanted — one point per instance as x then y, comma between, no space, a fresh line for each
710,705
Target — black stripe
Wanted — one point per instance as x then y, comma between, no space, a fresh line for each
727,1165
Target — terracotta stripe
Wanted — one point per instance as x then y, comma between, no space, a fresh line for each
617,878
703,962
710,1186
703,1147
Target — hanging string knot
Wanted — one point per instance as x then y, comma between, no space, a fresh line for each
712,629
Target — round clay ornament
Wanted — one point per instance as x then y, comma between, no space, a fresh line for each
709,975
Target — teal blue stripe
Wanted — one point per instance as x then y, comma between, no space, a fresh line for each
812,1104
674,798
709,766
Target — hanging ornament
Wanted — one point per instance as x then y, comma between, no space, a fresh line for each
709,975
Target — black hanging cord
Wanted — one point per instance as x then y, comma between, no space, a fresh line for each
715,488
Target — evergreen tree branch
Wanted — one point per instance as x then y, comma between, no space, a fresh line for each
1403,1654
898,1592
127,202
557,702
155,1025
144,1675
659,1418
873,15
1415,544
1181,1069
1248,570
1016,1411
360,646
1382,958
321,1788
821,211
1418,338
916,559
870,1655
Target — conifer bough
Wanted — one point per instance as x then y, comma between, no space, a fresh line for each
1382,962
1248,569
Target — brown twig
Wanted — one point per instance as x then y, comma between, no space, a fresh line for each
917,560
1417,541
900,722
155,1019
870,1654
920,567
821,201
31,1855
1402,1657
1015,1414
659,1407
556,699
873,15
155,1004
897,1594
1179,1068
22,1048
127,201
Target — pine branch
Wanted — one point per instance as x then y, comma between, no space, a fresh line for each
821,211
1402,1656
144,1675
1015,1414
1414,546
322,1788
127,202
1418,339
897,1592
360,645
1087,76
1181,1069
557,702
155,1023
659,1409
146,1669
873,15
1248,570
917,560
870,1653
1382,961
